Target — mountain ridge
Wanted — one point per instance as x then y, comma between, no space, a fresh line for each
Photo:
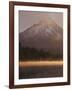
43,35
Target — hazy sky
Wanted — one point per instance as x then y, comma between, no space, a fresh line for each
28,18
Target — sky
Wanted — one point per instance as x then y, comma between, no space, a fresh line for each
28,18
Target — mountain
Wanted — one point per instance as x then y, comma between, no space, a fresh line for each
45,35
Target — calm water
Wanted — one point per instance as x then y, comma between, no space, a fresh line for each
40,72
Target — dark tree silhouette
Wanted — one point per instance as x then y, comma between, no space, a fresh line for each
26,53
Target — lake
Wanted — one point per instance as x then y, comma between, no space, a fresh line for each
40,70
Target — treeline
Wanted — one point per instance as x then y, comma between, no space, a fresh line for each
26,53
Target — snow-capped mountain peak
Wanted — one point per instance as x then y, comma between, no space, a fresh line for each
45,34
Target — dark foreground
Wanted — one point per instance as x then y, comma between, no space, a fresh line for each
40,72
